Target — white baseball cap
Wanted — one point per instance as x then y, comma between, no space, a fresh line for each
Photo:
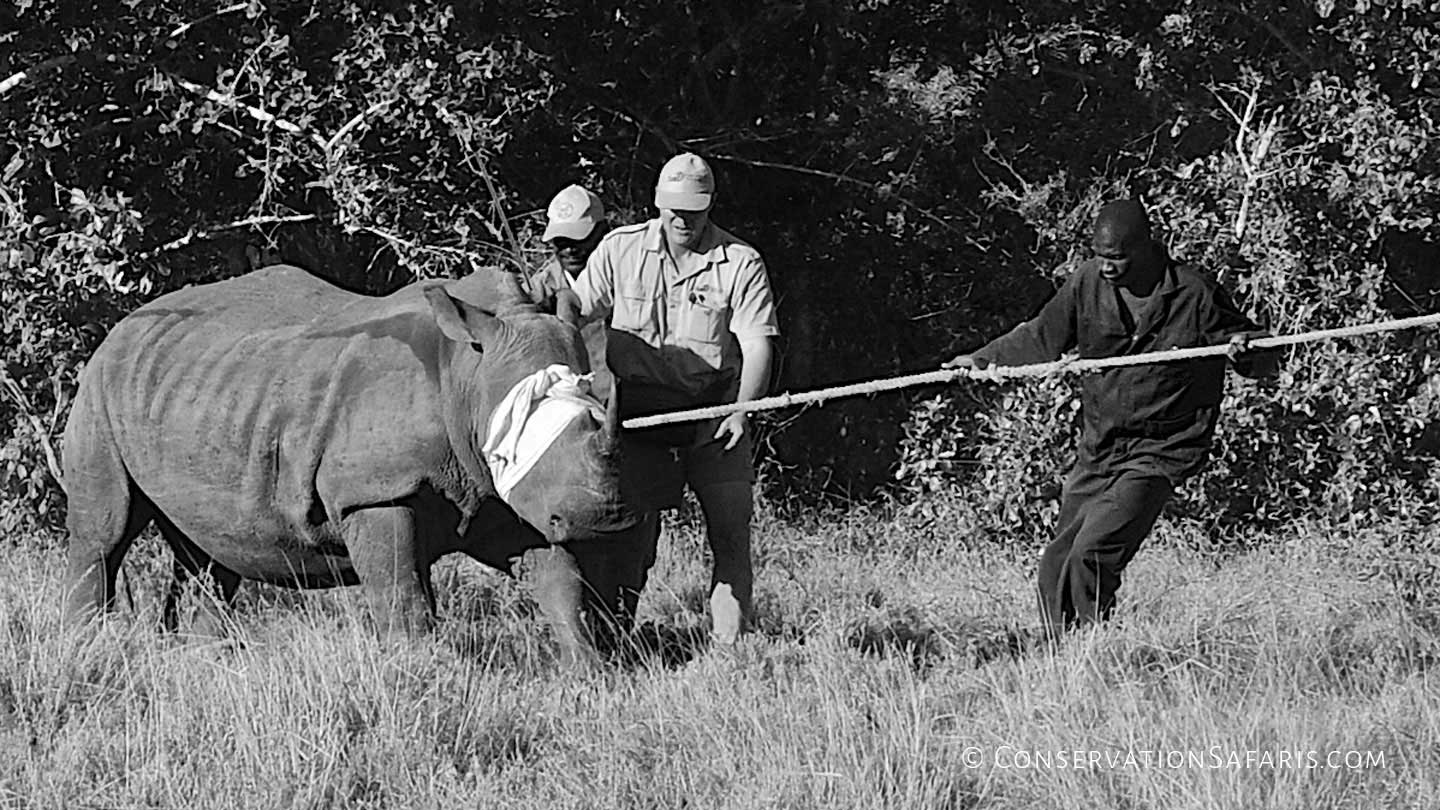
686,184
573,214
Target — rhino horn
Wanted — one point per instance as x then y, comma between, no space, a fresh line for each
611,430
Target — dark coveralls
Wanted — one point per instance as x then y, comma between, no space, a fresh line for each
1145,428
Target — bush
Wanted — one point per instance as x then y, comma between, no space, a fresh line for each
917,175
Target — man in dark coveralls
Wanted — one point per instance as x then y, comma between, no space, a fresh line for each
1146,428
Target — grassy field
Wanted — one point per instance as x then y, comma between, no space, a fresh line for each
890,670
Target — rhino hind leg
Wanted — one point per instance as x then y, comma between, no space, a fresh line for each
103,522
383,550
193,563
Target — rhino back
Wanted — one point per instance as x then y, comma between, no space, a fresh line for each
255,412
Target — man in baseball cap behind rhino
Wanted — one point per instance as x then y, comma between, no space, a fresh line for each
574,223
692,321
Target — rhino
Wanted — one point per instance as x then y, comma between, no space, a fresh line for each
277,428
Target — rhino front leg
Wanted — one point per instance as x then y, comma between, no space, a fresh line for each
381,542
193,563
221,585
554,582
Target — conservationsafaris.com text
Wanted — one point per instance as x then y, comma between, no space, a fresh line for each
1215,757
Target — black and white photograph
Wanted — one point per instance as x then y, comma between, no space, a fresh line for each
919,404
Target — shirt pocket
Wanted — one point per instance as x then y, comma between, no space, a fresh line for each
702,320
634,311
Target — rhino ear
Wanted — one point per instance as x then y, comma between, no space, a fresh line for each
567,307
458,320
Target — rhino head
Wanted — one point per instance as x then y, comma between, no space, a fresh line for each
569,488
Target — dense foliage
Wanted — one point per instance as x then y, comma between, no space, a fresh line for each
918,175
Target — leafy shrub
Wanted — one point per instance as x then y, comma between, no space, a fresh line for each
917,175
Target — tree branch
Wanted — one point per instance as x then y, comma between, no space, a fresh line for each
206,233
52,460
179,30
1274,31
499,209
227,100
56,63
210,94
14,79
442,249
841,178
354,122
1252,147
392,239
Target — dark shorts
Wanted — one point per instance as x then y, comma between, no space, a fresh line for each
654,474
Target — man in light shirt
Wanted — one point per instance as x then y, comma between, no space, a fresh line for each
691,323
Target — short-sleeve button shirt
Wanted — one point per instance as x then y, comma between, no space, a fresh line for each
688,326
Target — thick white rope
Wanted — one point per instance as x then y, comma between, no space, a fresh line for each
999,373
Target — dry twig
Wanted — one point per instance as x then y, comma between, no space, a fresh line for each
842,178
227,100
352,123
1252,147
441,249
181,29
52,460
517,252
208,232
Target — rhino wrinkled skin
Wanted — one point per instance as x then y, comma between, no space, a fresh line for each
278,428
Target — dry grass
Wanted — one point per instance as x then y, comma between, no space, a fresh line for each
892,670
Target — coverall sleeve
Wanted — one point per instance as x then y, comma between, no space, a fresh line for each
1223,320
1041,339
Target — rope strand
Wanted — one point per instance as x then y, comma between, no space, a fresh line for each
1001,373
